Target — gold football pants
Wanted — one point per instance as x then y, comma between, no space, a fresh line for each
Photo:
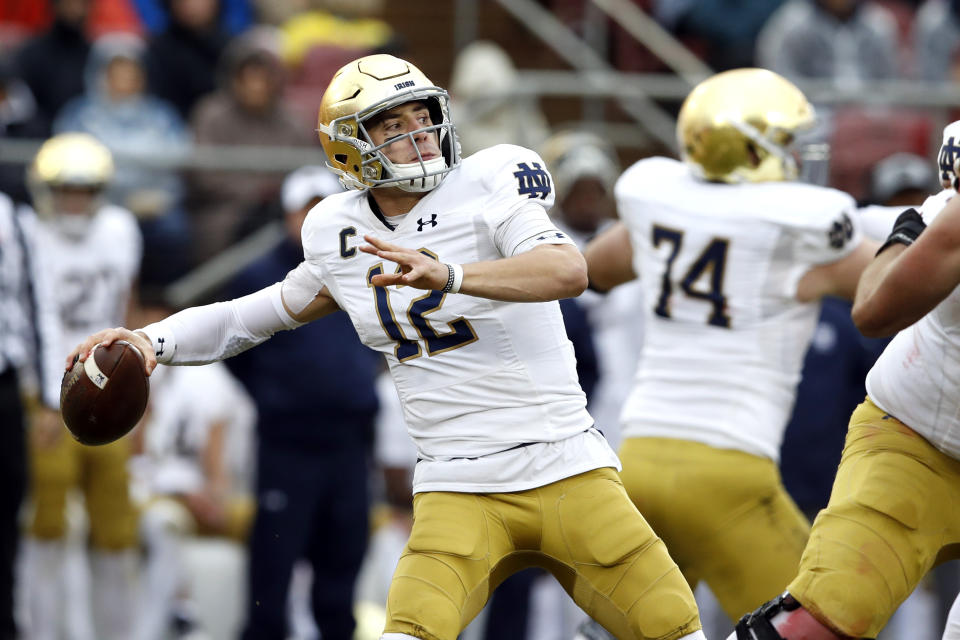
100,473
582,529
894,513
723,514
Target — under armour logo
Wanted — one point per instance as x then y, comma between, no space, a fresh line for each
432,222
557,235
948,156
160,341
534,182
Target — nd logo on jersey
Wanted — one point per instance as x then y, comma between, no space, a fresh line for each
533,183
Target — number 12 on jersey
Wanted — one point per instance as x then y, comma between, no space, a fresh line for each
711,263
460,334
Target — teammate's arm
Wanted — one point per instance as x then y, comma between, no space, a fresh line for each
546,272
904,283
836,278
609,258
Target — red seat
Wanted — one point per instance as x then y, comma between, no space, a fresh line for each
862,137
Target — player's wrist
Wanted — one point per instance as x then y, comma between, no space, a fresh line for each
161,340
454,278
907,228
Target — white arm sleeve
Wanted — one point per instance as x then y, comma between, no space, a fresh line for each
526,228
200,335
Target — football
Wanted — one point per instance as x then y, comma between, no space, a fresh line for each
104,397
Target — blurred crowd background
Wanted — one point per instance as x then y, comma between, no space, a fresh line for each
209,110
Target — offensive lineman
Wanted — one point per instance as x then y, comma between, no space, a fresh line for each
512,472
734,256
893,512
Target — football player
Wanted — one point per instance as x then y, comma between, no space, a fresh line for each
734,254
91,252
430,256
892,514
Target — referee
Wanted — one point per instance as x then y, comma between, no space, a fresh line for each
26,318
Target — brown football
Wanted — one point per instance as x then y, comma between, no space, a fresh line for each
103,398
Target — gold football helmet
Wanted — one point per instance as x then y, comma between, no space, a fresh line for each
75,162
738,126
359,91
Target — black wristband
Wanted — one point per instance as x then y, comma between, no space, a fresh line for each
907,228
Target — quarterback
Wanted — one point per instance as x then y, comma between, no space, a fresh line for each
734,255
893,511
431,258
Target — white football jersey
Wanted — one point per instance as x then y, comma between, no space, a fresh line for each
489,389
917,377
91,277
725,336
185,404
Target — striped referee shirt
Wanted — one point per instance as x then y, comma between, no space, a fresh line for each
27,309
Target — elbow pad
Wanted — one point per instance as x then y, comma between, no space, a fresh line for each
200,335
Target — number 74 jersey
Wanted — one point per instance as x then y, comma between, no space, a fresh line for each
725,336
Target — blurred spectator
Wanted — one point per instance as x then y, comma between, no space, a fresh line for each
236,16
728,28
182,59
138,128
936,41
52,64
848,41
481,81
316,42
247,110
191,477
19,118
355,25
315,433
902,180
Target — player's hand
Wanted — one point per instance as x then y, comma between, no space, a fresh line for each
106,337
208,509
46,427
416,269
906,229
